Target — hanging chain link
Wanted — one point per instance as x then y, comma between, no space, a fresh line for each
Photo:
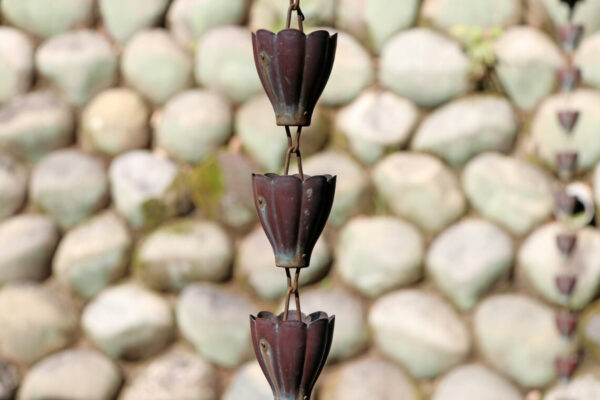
295,6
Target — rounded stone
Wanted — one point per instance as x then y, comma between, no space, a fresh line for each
177,374
447,14
271,14
582,387
225,61
369,378
509,191
548,137
256,266
589,330
123,18
35,322
351,183
419,188
353,71
528,62
587,14
114,122
587,58
93,255
424,66
466,127
376,254
69,185
194,124
143,188
372,22
541,261
10,379
266,142
13,186
215,321
27,243
155,65
16,63
466,259
45,19
376,122
248,383
128,321
34,124
182,252
189,20
72,374
475,382
420,331
517,335
80,64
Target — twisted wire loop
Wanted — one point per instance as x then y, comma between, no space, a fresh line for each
294,6
293,149
292,288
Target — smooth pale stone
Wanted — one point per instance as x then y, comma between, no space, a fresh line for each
27,243
13,185
266,142
123,18
372,21
527,66
271,14
353,71
376,122
351,182
215,321
509,191
189,20
34,124
475,382
466,259
35,322
419,188
225,61
16,63
128,321
420,331
586,14
466,127
114,122
155,65
72,374
376,254
80,64
447,14
596,186
45,18
517,335
93,255
248,383
184,251
176,374
541,261
587,58
424,66
582,387
589,330
369,378
69,185
142,188
194,124
255,265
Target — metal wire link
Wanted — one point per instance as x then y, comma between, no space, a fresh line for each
293,149
292,289
295,6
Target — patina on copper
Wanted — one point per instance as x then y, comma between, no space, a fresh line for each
570,35
569,77
292,352
568,119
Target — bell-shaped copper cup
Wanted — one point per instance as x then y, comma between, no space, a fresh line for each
293,213
292,353
294,69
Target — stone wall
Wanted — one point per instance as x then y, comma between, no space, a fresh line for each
130,255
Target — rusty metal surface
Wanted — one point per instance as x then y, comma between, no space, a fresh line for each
565,284
566,322
293,213
569,78
566,243
565,366
566,163
294,69
570,35
568,119
292,352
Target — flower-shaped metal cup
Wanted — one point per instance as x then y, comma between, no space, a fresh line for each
292,353
293,213
294,69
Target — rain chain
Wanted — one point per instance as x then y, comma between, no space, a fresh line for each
294,68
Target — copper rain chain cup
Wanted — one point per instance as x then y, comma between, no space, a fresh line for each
292,348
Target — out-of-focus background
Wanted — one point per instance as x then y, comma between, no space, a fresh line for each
130,254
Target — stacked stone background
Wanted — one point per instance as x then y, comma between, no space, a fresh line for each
130,255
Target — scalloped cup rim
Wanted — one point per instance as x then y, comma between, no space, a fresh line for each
306,321
300,33
272,176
